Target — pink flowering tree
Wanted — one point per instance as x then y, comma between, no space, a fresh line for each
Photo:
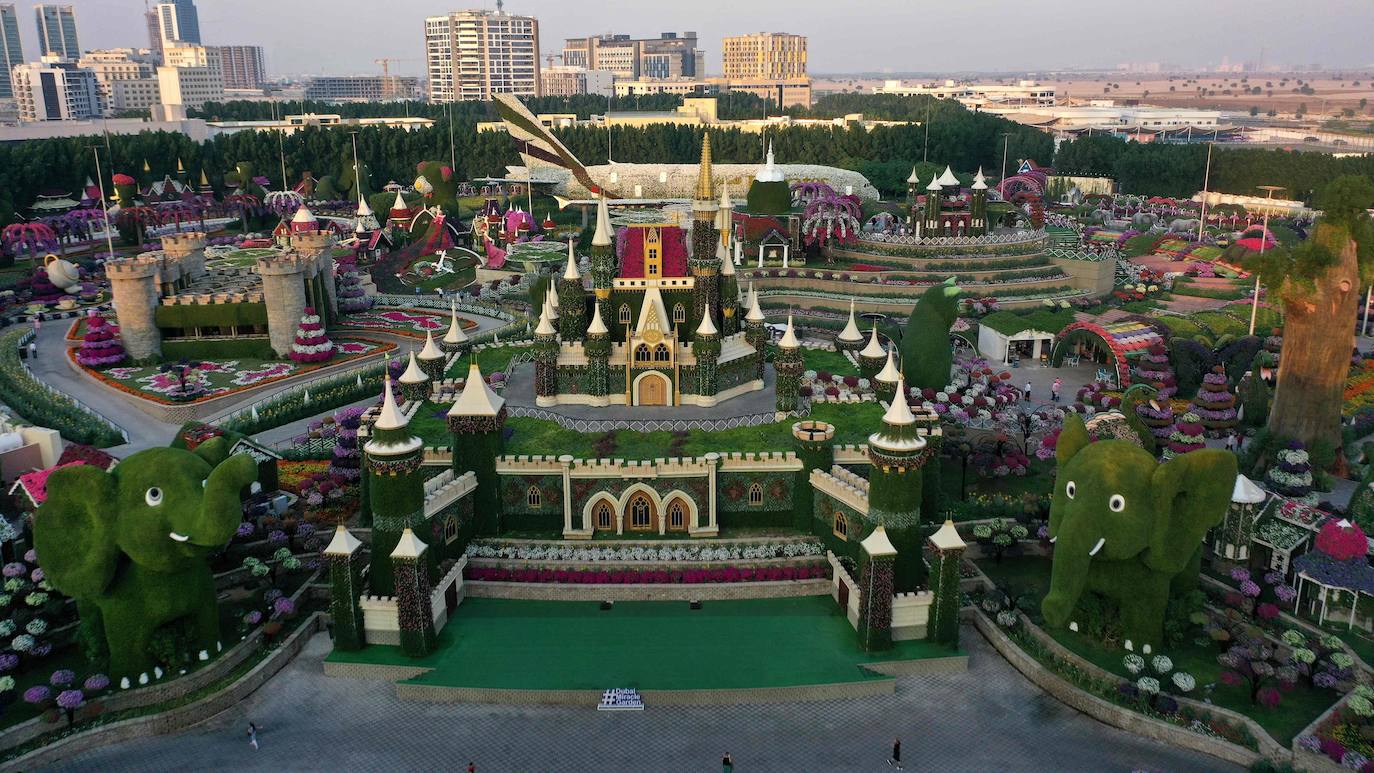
1253,663
311,344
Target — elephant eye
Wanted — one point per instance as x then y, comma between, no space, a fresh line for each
153,496
1070,489
1117,503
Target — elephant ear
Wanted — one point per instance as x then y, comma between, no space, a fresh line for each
214,450
1072,439
1191,494
74,530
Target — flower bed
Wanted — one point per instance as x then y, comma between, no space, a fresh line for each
683,576
407,323
215,378
583,554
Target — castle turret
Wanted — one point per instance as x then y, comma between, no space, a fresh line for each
598,351
897,452
978,205
788,366
850,339
572,301
913,188
414,381
286,292
432,358
603,258
344,557
476,420
188,249
455,340
756,331
725,218
414,613
872,356
706,349
545,361
395,486
135,292
931,227
729,293
815,444
704,264
885,382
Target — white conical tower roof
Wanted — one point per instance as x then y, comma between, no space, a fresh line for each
597,327
391,416
889,374
431,350
343,543
552,295
727,266
725,202
980,183
948,179
455,334
755,310
570,273
934,183
789,336
409,546
707,326
873,349
770,173
604,236
898,412
851,328
400,204
363,209
913,179
303,216
545,327
413,374
477,399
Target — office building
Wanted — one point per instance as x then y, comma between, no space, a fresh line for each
11,50
774,56
55,89
242,66
668,56
363,88
182,88
779,93
127,77
178,22
57,31
154,25
566,81
475,54
977,95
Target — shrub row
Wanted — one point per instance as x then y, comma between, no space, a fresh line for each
31,400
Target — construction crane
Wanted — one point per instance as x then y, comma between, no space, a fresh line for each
388,85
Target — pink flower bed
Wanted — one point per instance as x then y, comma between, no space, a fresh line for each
647,576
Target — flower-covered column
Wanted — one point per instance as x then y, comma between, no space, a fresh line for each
598,351
756,332
344,557
545,361
413,607
311,344
1214,404
788,365
100,347
948,548
876,564
1238,526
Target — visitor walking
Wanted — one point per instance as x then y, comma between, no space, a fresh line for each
1231,442
1027,391
253,736
1055,389
472,767
727,764
896,758
33,350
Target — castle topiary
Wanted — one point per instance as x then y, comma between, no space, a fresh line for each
311,344
1186,437
100,347
1154,368
1214,404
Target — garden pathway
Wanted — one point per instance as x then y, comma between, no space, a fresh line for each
990,718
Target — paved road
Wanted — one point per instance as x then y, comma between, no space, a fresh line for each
988,719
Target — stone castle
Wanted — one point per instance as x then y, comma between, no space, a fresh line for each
171,294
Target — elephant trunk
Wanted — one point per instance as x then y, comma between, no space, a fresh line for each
1072,559
221,510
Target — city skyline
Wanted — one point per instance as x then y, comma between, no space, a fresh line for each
904,39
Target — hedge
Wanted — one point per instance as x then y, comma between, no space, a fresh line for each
211,315
1010,323
31,400
291,405
218,348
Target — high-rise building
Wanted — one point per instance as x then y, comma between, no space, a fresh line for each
764,55
11,50
57,30
178,22
567,81
127,77
190,76
56,89
475,54
363,88
242,66
151,19
667,56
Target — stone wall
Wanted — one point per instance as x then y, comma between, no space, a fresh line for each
135,295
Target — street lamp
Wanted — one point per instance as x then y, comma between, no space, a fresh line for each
104,204
1206,181
1264,241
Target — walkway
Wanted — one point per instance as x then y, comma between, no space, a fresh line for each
990,718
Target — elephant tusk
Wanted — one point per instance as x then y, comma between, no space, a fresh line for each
178,537
1100,542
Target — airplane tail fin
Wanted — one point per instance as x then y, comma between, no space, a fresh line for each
537,143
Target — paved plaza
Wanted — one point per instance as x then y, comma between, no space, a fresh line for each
989,719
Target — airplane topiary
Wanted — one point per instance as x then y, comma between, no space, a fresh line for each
131,545
926,353
1129,528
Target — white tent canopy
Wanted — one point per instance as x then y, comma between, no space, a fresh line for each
997,346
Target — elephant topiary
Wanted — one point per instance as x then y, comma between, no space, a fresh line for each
1130,528
133,543
926,352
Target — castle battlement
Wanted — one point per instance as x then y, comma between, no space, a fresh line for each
180,245
445,489
760,461
810,431
140,267
851,453
840,490
312,242
857,481
284,264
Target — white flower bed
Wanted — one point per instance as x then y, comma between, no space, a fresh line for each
642,553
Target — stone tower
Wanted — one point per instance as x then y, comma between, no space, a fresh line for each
395,487
898,451
286,292
598,350
815,443
187,249
788,365
604,259
135,292
704,264
476,421
706,348
572,301
317,247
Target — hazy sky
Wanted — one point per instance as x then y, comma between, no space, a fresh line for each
345,36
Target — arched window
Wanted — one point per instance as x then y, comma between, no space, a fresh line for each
642,353
679,314
450,529
602,515
624,313
640,512
533,497
677,516
841,526
756,494
661,353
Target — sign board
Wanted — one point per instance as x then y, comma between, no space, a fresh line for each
621,699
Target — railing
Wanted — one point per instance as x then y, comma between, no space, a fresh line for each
1070,254
651,425
1016,237
96,415
299,390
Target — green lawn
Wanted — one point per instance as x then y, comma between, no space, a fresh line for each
492,359
853,424
830,362
573,645
1031,574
